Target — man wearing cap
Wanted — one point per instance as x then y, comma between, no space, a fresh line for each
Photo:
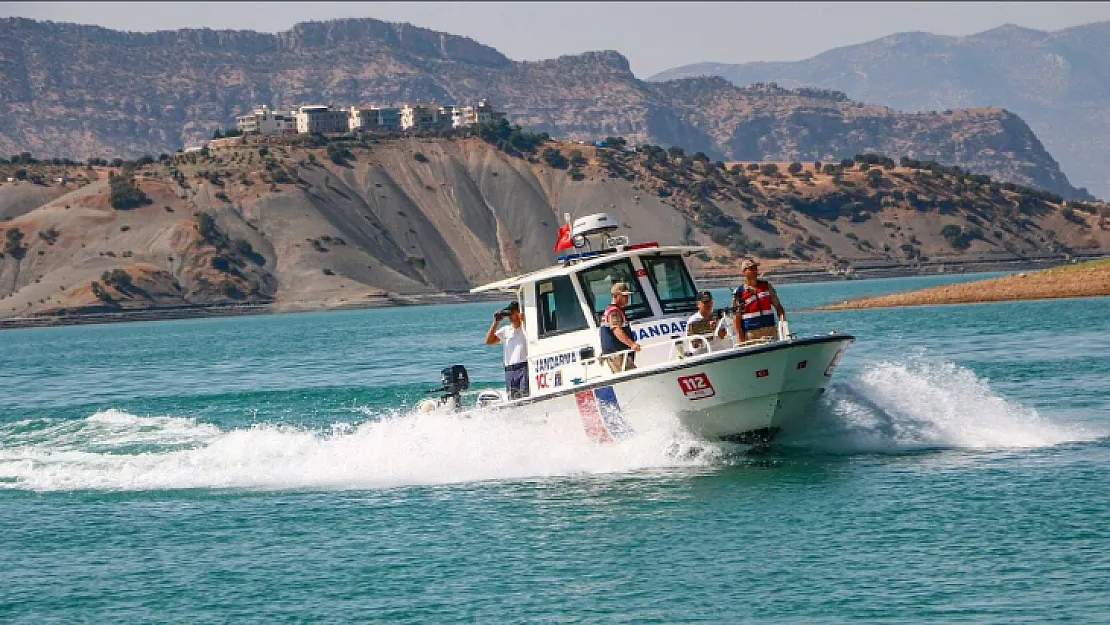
515,354
752,303
616,333
701,323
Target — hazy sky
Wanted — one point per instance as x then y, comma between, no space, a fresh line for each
653,35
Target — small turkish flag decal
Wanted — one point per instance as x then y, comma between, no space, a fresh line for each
802,364
762,373
641,273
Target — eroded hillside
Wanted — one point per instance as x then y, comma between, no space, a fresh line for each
311,223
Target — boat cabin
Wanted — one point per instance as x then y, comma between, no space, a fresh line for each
562,306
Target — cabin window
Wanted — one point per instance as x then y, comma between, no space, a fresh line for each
597,283
559,308
672,283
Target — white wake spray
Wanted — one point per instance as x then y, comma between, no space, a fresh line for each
896,407
888,408
394,450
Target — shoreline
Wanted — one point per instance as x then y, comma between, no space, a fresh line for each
204,311
1088,279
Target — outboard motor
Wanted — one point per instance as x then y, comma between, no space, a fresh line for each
453,380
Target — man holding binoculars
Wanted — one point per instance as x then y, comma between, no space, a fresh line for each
515,354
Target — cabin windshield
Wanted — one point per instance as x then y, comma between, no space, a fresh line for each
597,283
672,283
559,310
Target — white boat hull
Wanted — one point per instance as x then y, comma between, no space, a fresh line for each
744,395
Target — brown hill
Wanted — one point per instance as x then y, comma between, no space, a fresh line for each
81,91
365,222
1090,279
1057,81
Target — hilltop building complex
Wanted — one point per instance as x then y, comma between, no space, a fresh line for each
365,118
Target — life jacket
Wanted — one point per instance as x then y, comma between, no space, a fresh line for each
755,306
609,342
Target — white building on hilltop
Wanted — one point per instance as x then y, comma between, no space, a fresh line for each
322,119
470,115
374,118
266,122
420,117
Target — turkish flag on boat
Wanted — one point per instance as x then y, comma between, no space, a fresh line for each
565,240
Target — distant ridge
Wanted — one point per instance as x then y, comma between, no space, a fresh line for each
1058,82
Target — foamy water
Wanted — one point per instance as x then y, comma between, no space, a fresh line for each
889,407
390,450
925,404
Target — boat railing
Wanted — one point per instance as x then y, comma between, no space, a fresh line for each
678,349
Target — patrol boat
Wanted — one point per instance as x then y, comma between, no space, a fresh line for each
720,389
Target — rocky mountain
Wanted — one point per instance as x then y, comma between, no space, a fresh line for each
1059,82
306,223
81,91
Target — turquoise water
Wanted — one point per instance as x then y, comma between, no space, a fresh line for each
267,469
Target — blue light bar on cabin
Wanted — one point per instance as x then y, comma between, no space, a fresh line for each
581,255
609,250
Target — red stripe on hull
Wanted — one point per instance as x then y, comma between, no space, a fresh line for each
591,417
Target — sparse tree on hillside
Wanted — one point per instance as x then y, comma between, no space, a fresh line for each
123,194
13,243
555,158
117,278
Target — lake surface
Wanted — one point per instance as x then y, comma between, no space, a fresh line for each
268,469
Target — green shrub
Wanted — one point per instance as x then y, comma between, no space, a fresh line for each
420,158
99,292
13,244
761,222
123,194
222,263
209,231
242,248
513,139
555,158
118,278
230,290
1070,215
340,155
959,238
